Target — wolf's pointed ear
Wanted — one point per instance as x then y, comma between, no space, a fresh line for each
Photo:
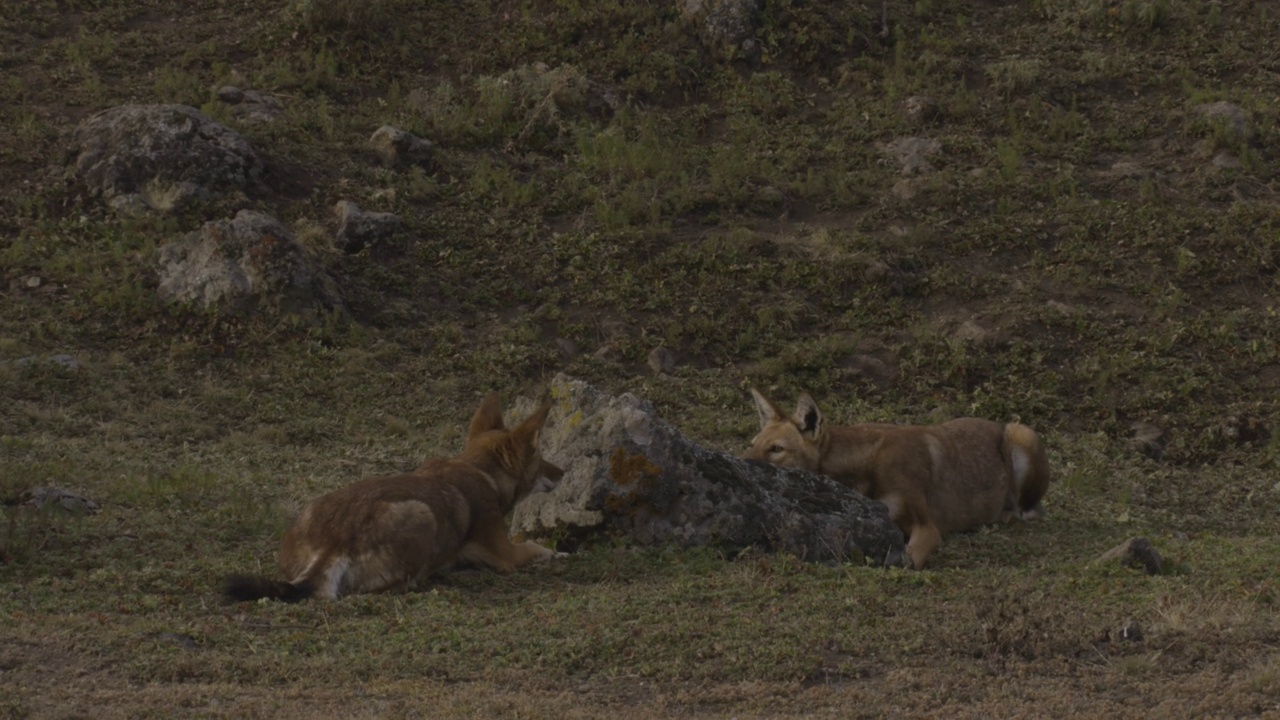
488,416
768,410
808,418
528,431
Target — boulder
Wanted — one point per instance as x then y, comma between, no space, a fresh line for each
247,263
140,158
628,473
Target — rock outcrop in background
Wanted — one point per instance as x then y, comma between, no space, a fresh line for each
145,158
247,263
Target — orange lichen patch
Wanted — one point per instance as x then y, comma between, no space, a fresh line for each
625,469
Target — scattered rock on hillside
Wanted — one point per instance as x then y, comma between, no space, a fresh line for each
140,158
567,348
251,262
630,474
397,148
920,109
358,229
912,154
1243,429
249,105
725,26
1230,117
42,497
66,362
1225,160
662,361
1136,552
1147,440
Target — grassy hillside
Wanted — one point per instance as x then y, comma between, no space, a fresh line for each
1091,249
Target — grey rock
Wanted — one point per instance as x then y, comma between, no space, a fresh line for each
358,229
142,158
725,26
912,154
248,263
250,105
66,362
1136,552
1147,440
920,109
43,497
662,361
396,148
1230,117
628,473
1225,160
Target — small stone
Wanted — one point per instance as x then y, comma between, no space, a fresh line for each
230,95
920,109
662,361
186,642
42,497
396,147
358,229
1231,117
1147,440
607,353
66,362
912,154
971,331
1225,160
567,347
1136,552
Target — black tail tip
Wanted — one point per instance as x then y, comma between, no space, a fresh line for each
247,588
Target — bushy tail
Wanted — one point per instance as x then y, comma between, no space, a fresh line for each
1030,468
242,588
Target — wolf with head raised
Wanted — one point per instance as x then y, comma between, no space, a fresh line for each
935,479
383,533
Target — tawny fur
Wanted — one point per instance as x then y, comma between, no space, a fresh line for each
384,533
935,479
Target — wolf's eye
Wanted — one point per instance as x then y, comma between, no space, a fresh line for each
774,450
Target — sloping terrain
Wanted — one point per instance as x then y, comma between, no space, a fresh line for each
1058,211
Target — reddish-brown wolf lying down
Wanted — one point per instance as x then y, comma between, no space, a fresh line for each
383,533
935,479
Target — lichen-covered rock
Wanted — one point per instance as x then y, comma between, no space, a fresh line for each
628,473
140,158
250,262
